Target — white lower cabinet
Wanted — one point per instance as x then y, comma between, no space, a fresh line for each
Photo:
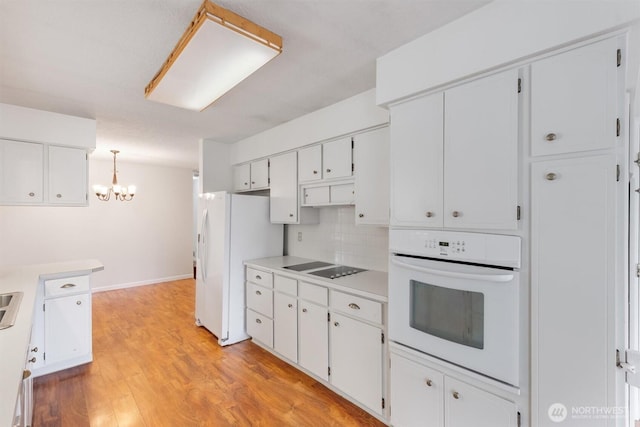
356,360
313,338
285,325
423,396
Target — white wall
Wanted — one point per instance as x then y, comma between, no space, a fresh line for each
144,241
497,34
342,118
215,167
337,239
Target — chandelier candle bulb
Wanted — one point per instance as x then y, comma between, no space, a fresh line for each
124,194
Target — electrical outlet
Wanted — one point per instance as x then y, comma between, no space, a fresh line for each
299,236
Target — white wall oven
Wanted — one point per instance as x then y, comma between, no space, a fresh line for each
455,296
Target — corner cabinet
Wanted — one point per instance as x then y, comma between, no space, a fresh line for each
251,176
41,174
455,157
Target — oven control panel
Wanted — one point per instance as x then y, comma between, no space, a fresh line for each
490,249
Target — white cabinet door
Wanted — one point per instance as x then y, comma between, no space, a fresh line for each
416,162
285,325
336,159
21,172
313,338
417,394
260,174
67,175
481,153
573,207
371,161
356,360
67,323
242,177
466,406
284,189
310,164
573,97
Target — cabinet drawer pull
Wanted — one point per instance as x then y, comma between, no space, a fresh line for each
354,306
304,310
429,214
258,277
456,214
429,382
32,194
551,137
67,286
258,293
59,196
78,302
32,360
456,395
289,305
551,176
258,321
361,215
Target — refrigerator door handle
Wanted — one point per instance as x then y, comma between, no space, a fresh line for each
203,245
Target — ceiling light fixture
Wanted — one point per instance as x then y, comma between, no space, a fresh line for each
124,194
218,50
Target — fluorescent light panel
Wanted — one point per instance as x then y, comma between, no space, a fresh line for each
218,51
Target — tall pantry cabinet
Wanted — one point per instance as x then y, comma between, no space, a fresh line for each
577,247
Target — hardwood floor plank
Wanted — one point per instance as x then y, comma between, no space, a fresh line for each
153,367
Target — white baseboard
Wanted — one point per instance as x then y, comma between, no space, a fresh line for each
141,283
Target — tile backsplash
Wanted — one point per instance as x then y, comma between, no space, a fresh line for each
337,239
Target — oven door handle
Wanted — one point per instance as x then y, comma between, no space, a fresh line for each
460,275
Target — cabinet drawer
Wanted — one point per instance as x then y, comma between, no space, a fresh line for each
343,193
260,277
66,286
316,196
356,306
314,293
260,299
285,285
260,328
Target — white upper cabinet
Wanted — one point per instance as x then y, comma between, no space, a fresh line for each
331,160
371,159
454,157
260,174
481,153
284,189
21,172
417,136
573,100
336,159
310,164
242,177
67,175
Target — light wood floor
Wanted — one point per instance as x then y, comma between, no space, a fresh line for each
153,367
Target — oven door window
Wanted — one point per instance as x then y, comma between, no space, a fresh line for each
451,314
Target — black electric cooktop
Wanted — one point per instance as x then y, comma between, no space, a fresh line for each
307,266
337,271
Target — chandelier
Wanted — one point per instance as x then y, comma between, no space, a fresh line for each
121,193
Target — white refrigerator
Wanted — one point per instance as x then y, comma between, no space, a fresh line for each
233,228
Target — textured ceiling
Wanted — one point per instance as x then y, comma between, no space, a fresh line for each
93,58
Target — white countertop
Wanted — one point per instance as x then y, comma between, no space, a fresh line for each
14,341
369,284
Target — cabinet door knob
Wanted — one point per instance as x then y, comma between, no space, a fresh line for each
361,215
258,293
253,182
315,172
354,306
291,215
258,321
336,324
456,395
304,310
551,176
34,349
429,214
32,360
328,170
429,382
32,194
59,196
246,183
78,302
456,214
551,137
290,305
